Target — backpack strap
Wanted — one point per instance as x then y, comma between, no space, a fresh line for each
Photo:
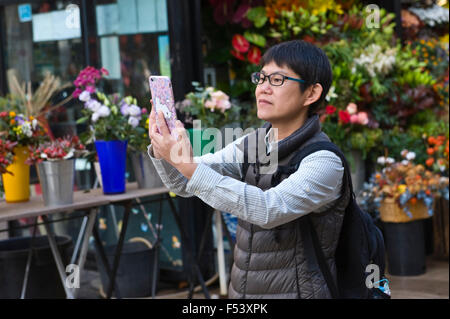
312,248
246,164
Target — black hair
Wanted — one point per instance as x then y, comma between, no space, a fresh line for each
308,61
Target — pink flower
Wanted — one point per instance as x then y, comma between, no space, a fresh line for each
104,71
77,93
363,118
90,89
352,108
354,119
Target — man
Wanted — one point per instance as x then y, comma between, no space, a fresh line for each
269,259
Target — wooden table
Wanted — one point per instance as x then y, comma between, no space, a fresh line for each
91,201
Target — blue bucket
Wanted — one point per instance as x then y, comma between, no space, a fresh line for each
112,156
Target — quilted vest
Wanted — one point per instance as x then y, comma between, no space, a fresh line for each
270,263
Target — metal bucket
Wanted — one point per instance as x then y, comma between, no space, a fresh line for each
57,180
145,171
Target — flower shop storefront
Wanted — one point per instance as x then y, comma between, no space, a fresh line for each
76,99
47,50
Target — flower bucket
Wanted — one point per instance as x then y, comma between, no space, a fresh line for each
145,171
391,212
17,186
57,180
112,156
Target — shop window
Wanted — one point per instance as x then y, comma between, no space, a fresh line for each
133,43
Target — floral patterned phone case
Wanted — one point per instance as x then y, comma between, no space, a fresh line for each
163,100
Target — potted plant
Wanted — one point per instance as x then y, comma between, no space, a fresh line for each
404,194
214,110
111,119
55,162
144,170
23,132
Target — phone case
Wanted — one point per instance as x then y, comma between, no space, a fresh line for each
163,100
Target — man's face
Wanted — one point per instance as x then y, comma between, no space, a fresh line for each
279,104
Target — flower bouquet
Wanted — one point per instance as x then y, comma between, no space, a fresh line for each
112,120
408,186
214,110
18,132
55,166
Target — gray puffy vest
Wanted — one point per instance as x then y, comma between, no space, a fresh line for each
270,263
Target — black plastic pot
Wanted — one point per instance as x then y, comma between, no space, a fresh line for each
134,276
43,280
405,243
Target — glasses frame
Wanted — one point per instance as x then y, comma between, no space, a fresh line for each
269,76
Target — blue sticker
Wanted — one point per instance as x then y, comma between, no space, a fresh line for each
144,227
24,12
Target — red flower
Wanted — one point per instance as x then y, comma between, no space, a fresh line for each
344,116
3,114
254,55
240,43
330,109
238,55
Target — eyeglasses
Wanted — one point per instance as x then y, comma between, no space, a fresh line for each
275,79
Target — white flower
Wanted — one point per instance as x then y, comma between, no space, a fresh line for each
331,94
381,160
93,105
133,121
26,129
410,156
95,117
405,162
134,110
84,96
404,152
104,111
34,123
390,160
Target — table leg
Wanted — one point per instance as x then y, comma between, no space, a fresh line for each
220,254
103,259
188,250
156,250
85,241
27,267
79,239
112,279
57,257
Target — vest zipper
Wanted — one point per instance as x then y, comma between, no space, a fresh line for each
247,263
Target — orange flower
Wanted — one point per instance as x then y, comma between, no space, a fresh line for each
430,151
12,122
431,140
428,192
413,200
429,161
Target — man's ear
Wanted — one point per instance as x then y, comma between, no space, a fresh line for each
313,94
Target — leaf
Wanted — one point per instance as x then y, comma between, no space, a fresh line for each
82,120
258,16
255,38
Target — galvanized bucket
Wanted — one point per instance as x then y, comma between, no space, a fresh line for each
146,174
57,180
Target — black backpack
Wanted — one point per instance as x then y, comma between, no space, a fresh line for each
360,243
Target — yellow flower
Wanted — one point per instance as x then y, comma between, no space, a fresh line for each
31,117
401,188
12,114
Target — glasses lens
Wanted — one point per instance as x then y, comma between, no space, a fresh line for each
276,79
256,78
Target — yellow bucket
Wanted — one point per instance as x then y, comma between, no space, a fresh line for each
17,186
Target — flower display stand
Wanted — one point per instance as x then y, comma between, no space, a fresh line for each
404,238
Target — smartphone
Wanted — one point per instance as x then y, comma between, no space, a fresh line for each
163,100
